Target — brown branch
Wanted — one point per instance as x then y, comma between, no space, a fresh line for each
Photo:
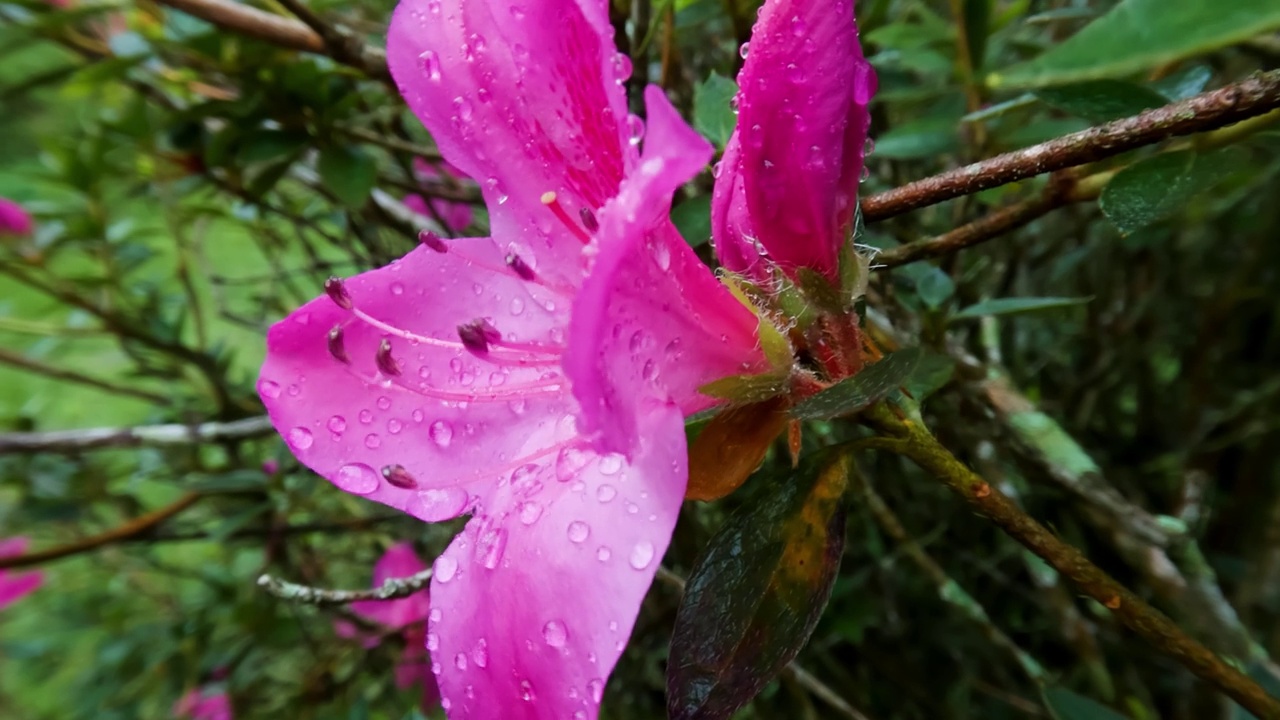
916,443
132,528
16,359
1248,98
120,437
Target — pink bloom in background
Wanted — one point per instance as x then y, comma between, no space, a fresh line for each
787,187
13,585
13,219
408,614
536,380
206,703
455,216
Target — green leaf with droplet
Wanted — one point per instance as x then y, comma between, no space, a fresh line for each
758,589
871,384
713,114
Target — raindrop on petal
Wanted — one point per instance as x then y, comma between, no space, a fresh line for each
555,634
641,555
578,531
444,568
357,478
437,504
441,433
300,438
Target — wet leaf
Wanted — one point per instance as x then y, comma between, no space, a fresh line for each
1102,100
863,389
1159,186
730,447
713,114
757,591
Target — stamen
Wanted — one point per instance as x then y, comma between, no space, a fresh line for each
549,199
589,219
398,476
433,241
521,268
337,348
549,355
386,363
476,336
549,388
336,289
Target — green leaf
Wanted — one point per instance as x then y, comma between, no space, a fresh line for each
693,219
747,388
866,387
757,591
269,146
713,114
1102,100
934,287
349,172
918,139
932,372
977,28
1140,34
1011,305
1159,186
1066,705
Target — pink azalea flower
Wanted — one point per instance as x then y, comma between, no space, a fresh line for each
207,703
537,380
15,586
13,219
786,190
455,216
407,614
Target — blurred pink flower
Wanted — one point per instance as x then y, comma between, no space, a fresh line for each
13,585
787,188
456,216
537,380
13,219
408,614
206,703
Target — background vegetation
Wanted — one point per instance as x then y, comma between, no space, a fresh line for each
192,184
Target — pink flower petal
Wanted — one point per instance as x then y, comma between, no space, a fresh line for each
651,321
13,219
533,609
802,126
451,422
731,230
524,98
15,586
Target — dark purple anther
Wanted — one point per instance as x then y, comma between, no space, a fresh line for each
336,289
474,337
386,363
520,267
337,348
398,476
433,241
589,219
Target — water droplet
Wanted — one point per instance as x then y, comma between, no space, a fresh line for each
603,553
433,641
480,654
293,390
530,512
300,438
460,661
357,478
865,174
868,147
517,12
441,433
397,288
605,493
394,426
336,424
526,691
437,504
641,555
463,108
635,129
717,169
569,463
435,615
444,568
269,389
555,634
795,73
636,344
578,531
621,67
384,403
523,476
366,417
595,688
373,441
650,370
418,416
490,547
431,64
610,464
744,50
517,306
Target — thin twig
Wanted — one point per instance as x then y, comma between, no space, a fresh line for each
134,527
390,589
1248,98
142,435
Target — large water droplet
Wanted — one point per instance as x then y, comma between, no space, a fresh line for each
336,424
357,478
300,438
605,493
621,67
431,65
269,389
437,504
610,464
569,463
578,531
595,688
444,569
635,129
530,512
641,555
744,50
555,634
441,433
460,661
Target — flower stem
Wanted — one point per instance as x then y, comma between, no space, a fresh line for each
917,443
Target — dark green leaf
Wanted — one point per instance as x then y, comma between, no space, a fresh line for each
868,386
1140,34
1066,705
977,28
757,591
919,139
713,114
1102,100
349,173
1159,186
932,372
693,219
269,146
934,286
1011,305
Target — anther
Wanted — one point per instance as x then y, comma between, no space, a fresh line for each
589,219
337,348
549,199
386,363
477,335
433,241
398,476
520,267
336,289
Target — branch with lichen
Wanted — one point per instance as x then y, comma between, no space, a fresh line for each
390,589
912,440
170,435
